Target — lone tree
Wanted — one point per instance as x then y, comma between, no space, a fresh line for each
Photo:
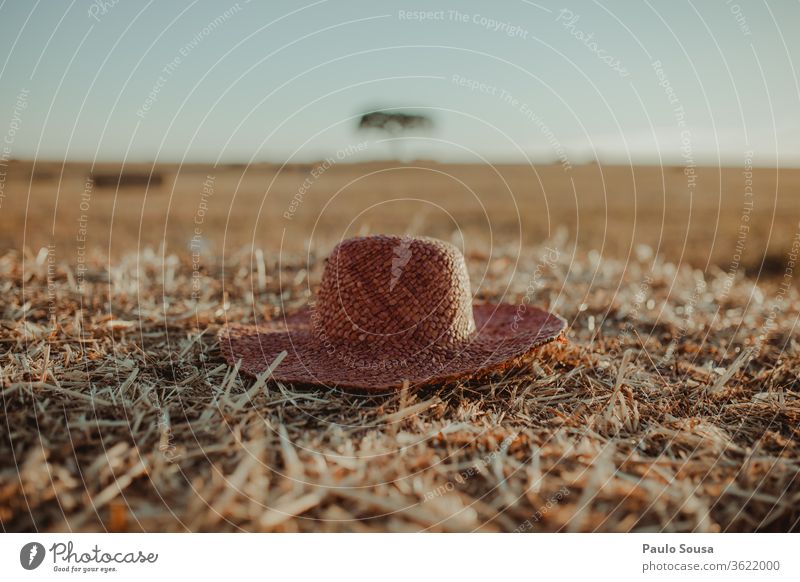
394,123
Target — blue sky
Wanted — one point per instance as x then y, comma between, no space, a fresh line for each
647,82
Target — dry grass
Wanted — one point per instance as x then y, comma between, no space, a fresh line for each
675,407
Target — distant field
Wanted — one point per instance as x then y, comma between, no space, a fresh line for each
610,209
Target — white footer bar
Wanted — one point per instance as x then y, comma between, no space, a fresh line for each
388,557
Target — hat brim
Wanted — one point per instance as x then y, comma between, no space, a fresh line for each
505,335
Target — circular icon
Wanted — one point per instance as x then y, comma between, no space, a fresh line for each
31,555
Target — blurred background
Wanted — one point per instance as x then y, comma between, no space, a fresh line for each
202,127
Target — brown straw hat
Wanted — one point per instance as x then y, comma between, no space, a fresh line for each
391,309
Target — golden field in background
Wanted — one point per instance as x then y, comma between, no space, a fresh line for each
706,216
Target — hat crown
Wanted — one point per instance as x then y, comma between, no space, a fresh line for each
409,290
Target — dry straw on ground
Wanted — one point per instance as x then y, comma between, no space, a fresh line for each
674,407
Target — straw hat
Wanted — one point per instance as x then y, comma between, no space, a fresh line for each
391,309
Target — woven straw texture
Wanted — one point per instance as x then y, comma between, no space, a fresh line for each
391,309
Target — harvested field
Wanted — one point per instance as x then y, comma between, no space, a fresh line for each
695,219
674,406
